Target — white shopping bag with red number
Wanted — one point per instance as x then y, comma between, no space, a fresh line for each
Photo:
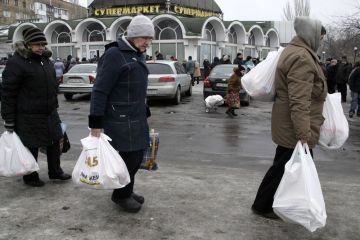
298,198
100,166
15,158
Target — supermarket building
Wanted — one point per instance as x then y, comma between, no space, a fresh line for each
182,29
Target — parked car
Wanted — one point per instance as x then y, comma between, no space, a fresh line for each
79,79
2,67
168,79
217,82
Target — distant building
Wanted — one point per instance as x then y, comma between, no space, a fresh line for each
13,11
182,28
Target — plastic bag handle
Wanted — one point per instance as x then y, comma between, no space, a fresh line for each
306,148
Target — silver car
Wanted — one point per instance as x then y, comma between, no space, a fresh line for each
168,79
79,79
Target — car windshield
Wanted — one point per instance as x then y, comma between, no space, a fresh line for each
158,68
222,71
83,69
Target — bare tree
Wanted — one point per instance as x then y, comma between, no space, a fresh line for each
300,8
344,35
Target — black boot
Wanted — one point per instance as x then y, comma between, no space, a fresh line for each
233,112
61,176
33,180
138,198
127,204
228,112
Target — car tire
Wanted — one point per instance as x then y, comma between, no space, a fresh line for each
177,98
68,96
189,92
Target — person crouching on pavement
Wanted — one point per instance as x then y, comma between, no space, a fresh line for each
29,102
300,92
233,91
118,103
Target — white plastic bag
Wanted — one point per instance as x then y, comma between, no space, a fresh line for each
15,158
260,80
335,129
100,166
214,100
299,198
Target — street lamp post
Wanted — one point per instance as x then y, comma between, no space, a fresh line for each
355,52
323,57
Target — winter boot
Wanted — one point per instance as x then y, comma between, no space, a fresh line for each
228,112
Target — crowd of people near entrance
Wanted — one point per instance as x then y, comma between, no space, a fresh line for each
340,74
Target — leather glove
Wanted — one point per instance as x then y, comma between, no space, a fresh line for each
9,126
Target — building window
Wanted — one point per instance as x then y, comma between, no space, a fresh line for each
6,13
5,2
232,36
210,34
16,2
61,35
251,39
94,33
168,29
122,29
268,41
24,4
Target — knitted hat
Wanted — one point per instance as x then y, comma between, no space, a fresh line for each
140,26
34,35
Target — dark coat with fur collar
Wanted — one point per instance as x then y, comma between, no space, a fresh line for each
29,99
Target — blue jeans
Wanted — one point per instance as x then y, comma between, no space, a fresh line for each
355,102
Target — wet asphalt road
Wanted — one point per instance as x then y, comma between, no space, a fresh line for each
190,136
210,168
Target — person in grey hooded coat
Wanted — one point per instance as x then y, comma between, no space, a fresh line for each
300,92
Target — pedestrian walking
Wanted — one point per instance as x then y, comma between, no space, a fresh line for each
207,68
59,69
118,103
67,63
190,68
197,72
159,56
354,85
239,59
331,75
300,91
342,75
29,102
225,59
216,61
233,91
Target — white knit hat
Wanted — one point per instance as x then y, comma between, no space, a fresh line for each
140,26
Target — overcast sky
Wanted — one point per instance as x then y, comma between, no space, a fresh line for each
272,10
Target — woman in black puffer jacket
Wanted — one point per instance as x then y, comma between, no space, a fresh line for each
29,102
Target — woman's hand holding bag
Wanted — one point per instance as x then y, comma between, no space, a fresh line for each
100,166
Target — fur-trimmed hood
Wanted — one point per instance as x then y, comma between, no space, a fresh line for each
20,48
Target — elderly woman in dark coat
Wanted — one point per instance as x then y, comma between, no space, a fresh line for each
29,102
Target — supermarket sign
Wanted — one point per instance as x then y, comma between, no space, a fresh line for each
154,10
